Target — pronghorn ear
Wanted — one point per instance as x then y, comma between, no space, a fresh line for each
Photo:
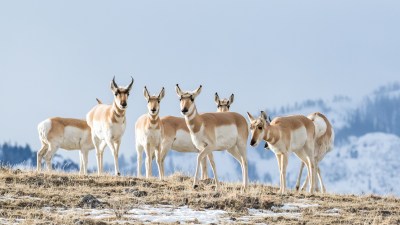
264,116
146,93
130,85
197,91
251,118
178,91
231,99
216,98
162,94
114,86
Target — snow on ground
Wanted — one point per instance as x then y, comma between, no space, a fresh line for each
184,214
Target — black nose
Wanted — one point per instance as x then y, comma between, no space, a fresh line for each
253,142
153,110
123,104
185,110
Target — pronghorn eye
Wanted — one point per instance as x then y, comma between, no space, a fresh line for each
158,101
116,93
191,98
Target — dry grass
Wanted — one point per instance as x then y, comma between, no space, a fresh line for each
25,196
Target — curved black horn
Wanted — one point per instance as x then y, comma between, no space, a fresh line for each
115,84
130,85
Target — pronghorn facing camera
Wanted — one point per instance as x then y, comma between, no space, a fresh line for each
215,132
108,124
65,133
285,135
224,104
149,132
324,138
177,135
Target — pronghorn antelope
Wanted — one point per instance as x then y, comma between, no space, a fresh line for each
224,104
215,132
69,134
177,135
324,138
284,135
149,133
108,124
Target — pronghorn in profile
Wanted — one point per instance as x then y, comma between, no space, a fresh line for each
65,133
149,133
215,132
324,138
285,135
108,124
177,136
224,104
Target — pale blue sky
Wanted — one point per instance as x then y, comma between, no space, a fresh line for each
56,57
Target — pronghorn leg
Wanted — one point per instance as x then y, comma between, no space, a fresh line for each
158,160
245,168
40,155
284,163
114,153
299,176
213,167
312,174
202,154
49,156
278,159
103,145
204,171
117,144
302,155
97,144
80,162
85,154
139,151
321,183
305,184
164,152
149,157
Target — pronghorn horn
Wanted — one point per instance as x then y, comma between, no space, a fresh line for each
216,98
114,83
251,118
178,90
146,93
162,93
231,99
264,115
130,85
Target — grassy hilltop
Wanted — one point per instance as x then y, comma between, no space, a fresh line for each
27,197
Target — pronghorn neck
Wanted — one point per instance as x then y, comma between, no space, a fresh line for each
117,113
153,118
192,120
271,135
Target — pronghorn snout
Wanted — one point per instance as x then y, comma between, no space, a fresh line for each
124,104
184,110
252,143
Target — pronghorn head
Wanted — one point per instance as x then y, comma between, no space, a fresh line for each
187,99
258,127
121,94
153,102
224,104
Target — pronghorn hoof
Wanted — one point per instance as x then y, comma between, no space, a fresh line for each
118,174
195,186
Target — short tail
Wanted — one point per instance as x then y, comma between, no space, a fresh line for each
98,101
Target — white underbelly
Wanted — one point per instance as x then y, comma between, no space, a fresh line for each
183,142
226,137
